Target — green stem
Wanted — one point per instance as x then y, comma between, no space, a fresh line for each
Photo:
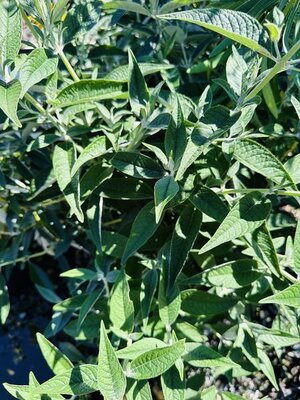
280,66
42,111
68,66
24,258
293,193
288,276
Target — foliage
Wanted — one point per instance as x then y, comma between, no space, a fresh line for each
149,150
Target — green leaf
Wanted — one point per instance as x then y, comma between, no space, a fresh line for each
292,166
139,390
137,88
267,367
148,289
263,247
168,302
113,243
143,227
164,191
208,202
231,275
79,380
197,302
288,297
121,308
80,19
64,157
126,189
236,70
247,215
296,104
235,25
183,238
4,300
140,347
111,378
173,383
200,356
94,217
95,149
121,74
88,90
87,306
259,159
36,68
155,362
297,248
10,31
137,165
127,6
84,274
9,100
175,138
57,361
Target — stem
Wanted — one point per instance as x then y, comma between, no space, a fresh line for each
68,66
24,258
289,276
278,67
293,193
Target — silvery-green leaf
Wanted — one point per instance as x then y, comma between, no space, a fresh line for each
36,68
137,165
288,297
78,380
235,25
121,311
57,361
173,382
9,99
120,74
64,157
198,302
296,104
138,390
86,91
259,159
10,31
140,347
128,6
4,300
246,215
292,166
165,190
137,88
201,356
111,378
155,362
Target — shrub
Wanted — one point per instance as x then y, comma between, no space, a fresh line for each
150,150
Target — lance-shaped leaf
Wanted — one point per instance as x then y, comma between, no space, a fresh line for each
155,362
94,217
184,235
9,100
297,248
247,214
121,311
235,25
137,88
288,297
148,289
164,191
233,274
256,157
208,202
111,378
296,104
140,347
4,300
57,361
138,390
197,302
143,227
127,6
121,74
36,68
79,380
88,90
201,356
10,31
137,165
64,157
95,149
168,302
173,382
